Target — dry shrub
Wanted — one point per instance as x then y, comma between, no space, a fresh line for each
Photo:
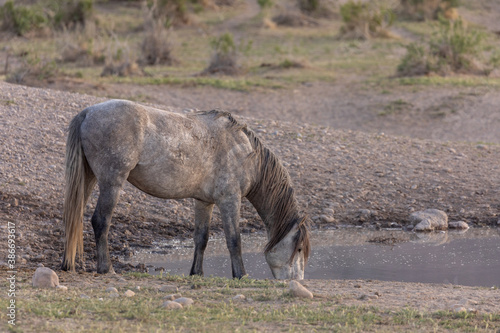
33,70
156,47
225,57
454,49
365,20
120,60
293,19
420,10
84,45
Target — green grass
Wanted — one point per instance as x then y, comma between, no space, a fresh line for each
269,306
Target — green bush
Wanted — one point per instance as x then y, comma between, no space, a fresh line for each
453,49
45,14
71,13
225,56
21,19
364,20
415,62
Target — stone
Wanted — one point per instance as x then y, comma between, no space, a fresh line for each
114,294
111,290
184,301
429,220
44,277
168,288
458,225
172,305
238,298
129,293
329,211
61,288
299,290
326,219
172,297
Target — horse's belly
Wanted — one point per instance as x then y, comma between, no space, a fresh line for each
171,182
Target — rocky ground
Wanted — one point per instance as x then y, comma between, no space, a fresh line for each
341,176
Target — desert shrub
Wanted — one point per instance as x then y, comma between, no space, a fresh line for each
21,19
48,14
172,12
33,69
415,62
120,60
83,45
156,47
364,20
453,49
427,9
308,6
225,55
71,13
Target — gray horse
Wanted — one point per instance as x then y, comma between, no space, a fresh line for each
207,156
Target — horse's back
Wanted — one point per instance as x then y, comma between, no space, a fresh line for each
163,153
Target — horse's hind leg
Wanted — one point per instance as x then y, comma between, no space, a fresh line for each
202,217
101,220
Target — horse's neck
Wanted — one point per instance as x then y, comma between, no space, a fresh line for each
274,210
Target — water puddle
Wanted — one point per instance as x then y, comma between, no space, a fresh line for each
465,258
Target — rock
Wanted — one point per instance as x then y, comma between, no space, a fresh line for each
238,298
168,288
111,290
44,277
184,301
458,308
128,293
326,219
299,290
84,296
62,288
172,305
429,220
328,211
172,297
114,294
458,225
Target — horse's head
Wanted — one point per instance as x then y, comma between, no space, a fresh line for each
287,258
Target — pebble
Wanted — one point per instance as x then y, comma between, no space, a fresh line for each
172,297
326,219
84,296
111,290
114,294
128,293
299,290
458,225
184,301
44,277
239,297
168,288
62,288
172,305
328,211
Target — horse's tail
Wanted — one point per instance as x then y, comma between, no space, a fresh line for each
79,183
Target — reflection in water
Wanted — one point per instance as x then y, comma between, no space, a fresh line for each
471,258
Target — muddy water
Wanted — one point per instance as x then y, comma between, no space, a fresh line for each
465,258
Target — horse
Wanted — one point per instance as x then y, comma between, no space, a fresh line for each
207,156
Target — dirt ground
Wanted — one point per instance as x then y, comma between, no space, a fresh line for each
346,165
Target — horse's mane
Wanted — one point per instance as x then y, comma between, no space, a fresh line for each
274,184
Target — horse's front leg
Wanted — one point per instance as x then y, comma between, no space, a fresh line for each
230,213
202,217
101,220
